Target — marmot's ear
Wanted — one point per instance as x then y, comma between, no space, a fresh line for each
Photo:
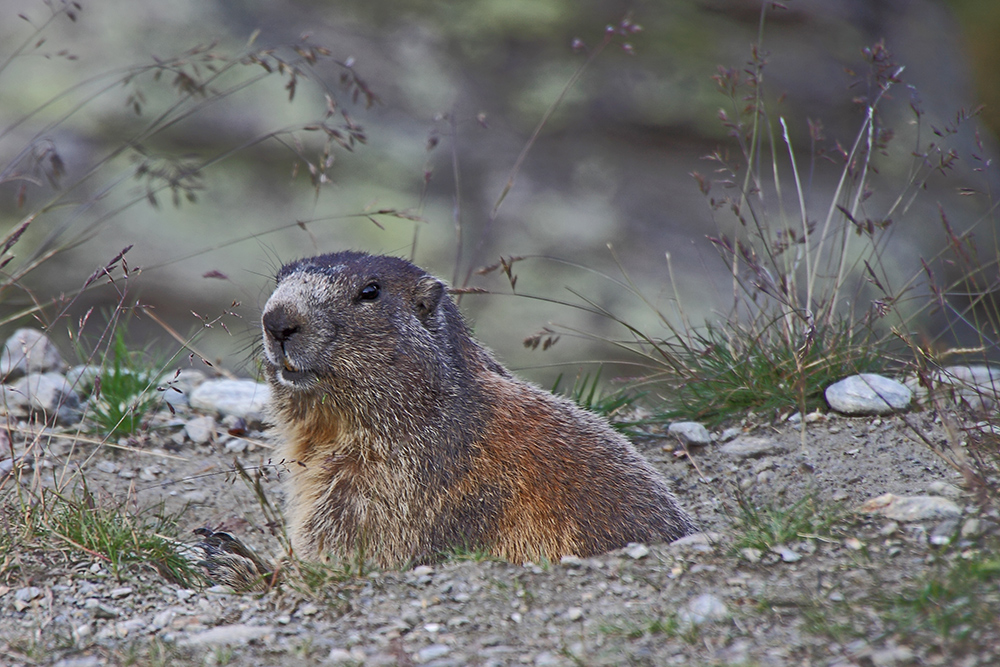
428,295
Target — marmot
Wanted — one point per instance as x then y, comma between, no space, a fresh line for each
405,438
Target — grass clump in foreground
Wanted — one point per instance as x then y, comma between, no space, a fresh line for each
955,607
763,526
124,391
40,530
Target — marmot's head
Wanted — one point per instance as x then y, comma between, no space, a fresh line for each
353,322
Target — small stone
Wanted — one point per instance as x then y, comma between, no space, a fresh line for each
242,398
703,609
571,561
80,661
28,594
339,656
889,529
690,433
236,446
308,609
939,488
867,394
574,614
891,656
422,571
238,634
696,540
432,652
751,554
196,497
163,619
854,544
912,508
787,555
972,528
944,532
636,550
177,387
106,466
119,593
83,376
50,394
751,447
730,433
29,351
200,430
547,659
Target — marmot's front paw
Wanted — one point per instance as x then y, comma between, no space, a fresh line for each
231,563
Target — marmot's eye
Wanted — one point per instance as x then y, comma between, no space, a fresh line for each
369,292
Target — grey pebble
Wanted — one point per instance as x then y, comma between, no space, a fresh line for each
50,394
229,634
636,551
29,351
432,652
119,593
242,398
690,433
200,430
913,508
868,394
703,609
28,594
751,447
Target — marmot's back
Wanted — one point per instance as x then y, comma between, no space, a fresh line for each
407,438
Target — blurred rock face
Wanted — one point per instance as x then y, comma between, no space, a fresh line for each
472,80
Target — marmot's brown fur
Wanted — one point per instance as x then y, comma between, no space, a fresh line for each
405,438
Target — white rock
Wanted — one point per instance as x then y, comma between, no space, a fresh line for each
229,634
636,550
751,447
50,394
939,488
236,446
28,594
574,614
29,351
703,609
787,555
200,430
339,656
912,508
867,394
178,386
106,466
242,398
80,376
690,433
432,652
547,659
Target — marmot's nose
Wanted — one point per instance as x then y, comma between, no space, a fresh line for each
280,323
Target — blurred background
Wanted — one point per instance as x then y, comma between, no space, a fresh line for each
148,124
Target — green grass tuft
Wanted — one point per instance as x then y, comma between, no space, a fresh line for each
765,526
124,392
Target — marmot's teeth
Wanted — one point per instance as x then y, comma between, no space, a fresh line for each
289,367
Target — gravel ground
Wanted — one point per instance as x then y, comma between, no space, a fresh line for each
829,596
